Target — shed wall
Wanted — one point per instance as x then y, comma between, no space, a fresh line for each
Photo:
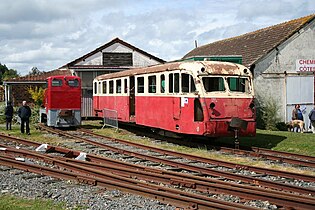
273,74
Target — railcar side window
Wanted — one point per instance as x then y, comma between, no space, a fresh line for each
238,84
73,83
140,81
176,83
118,86
152,84
213,84
95,87
188,84
56,82
104,87
111,86
170,83
126,85
162,83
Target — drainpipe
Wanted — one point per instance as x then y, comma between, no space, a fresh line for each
285,95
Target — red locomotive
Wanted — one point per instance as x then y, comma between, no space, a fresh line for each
62,102
204,98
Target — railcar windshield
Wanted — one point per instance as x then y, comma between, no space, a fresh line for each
212,84
233,84
56,82
73,83
238,84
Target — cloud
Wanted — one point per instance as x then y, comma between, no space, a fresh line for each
49,34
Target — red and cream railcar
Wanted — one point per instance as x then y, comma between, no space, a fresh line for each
62,102
206,98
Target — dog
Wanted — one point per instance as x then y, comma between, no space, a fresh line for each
299,124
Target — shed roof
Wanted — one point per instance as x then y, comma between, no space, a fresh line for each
114,41
37,78
253,45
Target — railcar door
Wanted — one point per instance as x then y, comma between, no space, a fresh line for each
132,96
174,88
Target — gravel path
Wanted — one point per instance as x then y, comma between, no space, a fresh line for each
29,185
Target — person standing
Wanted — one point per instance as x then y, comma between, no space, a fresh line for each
311,116
25,113
9,115
297,113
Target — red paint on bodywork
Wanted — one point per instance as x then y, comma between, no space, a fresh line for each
63,97
169,113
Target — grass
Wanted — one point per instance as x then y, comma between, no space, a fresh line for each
301,143
8,202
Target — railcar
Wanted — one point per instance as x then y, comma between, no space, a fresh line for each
203,98
62,102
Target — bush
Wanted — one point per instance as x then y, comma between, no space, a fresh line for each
2,110
282,126
270,116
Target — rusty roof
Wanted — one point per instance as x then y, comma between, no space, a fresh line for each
39,78
213,66
114,41
253,45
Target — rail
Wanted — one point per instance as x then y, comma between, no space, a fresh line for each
86,169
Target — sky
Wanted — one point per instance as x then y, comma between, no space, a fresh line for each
50,33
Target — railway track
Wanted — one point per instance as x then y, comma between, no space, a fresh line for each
278,156
93,173
285,157
208,169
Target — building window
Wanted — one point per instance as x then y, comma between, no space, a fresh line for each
140,81
152,84
111,59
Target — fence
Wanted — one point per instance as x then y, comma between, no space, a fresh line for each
110,118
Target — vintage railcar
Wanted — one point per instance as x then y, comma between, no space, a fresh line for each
204,98
62,102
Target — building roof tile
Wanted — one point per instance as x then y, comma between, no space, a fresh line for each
253,45
40,77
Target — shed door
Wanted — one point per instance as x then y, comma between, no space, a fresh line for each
300,90
87,103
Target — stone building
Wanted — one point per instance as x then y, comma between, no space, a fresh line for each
282,59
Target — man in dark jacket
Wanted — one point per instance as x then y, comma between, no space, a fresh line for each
8,115
311,116
25,113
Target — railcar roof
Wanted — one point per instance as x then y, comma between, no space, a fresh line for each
63,76
214,67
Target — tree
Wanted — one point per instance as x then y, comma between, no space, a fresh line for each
37,95
6,73
9,74
35,71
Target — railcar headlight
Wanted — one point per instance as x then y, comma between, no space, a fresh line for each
212,105
202,69
245,71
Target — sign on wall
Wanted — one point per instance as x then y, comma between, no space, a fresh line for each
305,65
